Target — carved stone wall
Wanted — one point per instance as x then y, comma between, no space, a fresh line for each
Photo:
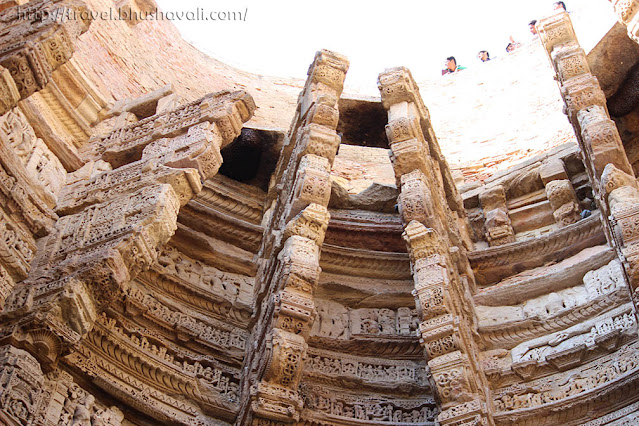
44,45
628,13
604,155
140,286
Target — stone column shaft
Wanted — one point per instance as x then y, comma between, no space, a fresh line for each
613,182
432,223
297,222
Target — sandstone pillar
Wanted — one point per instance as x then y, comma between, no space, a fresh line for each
296,224
603,154
560,192
499,229
432,218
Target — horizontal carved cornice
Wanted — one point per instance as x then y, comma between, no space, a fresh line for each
336,406
188,328
535,282
218,224
346,369
397,347
365,230
611,383
365,263
236,199
499,262
195,297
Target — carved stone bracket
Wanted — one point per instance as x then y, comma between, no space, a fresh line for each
499,228
36,40
113,222
563,201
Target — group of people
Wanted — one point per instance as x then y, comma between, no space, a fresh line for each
483,55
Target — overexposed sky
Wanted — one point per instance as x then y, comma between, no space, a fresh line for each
280,37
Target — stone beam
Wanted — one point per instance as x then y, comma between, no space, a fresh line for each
290,251
441,273
36,40
113,220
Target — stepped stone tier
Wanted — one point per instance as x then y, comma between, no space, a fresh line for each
169,254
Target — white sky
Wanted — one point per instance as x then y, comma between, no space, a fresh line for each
280,37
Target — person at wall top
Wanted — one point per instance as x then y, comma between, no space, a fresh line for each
559,6
513,45
451,66
483,55
531,26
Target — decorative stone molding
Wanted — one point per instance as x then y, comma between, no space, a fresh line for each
21,385
613,376
325,405
507,326
335,321
110,351
325,366
627,12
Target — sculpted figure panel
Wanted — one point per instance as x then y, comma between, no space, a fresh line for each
342,406
32,151
587,335
233,287
584,380
21,381
336,321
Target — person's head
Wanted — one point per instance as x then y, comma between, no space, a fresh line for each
532,27
559,5
510,47
483,55
451,63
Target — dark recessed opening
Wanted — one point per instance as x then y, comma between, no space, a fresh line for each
252,157
145,110
362,123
